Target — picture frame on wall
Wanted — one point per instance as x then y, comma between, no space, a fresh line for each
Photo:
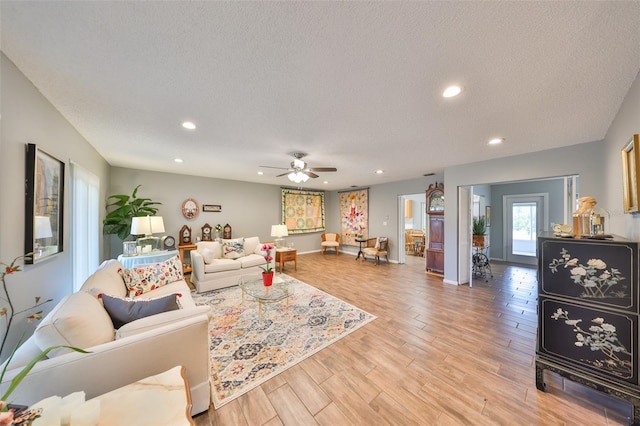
630,163
211,208
44,204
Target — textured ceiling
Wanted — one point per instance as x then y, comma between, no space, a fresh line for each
356,85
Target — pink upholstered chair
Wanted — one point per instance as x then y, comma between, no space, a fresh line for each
330,240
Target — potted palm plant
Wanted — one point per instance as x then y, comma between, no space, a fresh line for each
122,208
479,230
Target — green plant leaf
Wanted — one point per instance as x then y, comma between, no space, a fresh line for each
23,373
122,208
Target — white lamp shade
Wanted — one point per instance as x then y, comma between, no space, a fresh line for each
147,225
140,225
279,231
157,224
43,227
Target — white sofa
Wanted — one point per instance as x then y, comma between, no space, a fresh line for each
138,349
213,266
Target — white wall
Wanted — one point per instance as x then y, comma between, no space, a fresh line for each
27,117
624,126
249,208
597,163
583,159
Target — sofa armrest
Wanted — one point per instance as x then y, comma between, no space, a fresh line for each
115,364
197,266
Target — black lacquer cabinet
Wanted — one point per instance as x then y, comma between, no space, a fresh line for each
588,314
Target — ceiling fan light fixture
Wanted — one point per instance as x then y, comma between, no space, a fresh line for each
297,177
298,164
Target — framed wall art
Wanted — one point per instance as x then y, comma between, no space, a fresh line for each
354,216
302,211
190,208
44,202
211,208
630,164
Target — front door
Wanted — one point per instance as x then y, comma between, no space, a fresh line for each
525,218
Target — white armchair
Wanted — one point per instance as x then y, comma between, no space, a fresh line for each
330,240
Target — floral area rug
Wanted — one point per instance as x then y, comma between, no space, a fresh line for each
246,352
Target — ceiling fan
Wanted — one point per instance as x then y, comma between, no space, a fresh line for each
298,171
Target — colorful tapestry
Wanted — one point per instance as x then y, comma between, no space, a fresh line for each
354,215
303,211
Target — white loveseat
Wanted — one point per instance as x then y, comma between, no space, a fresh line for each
138,349
220,264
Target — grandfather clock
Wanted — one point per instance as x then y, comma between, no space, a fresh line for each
435,244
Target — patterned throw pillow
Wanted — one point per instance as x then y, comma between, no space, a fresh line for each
233,249
144,278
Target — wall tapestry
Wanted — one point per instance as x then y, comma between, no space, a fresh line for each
354,216
303,211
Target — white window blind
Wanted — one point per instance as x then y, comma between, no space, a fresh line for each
85,226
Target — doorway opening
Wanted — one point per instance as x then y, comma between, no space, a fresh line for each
413,220
513,226
526,216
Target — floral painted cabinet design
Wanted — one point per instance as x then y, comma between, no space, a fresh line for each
588,319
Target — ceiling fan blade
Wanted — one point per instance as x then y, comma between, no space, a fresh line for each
323,169
271,167
283,174
311,175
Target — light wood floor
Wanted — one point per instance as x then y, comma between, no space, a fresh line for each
437,354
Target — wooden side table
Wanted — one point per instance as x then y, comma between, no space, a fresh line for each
185,257
286,255
361,241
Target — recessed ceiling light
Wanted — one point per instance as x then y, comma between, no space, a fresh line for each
496,141
260,173
189,125
178,160
325,182
379,171
452,91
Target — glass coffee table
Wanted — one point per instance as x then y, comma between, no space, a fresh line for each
252,286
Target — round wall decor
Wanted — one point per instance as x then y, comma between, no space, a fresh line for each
190,208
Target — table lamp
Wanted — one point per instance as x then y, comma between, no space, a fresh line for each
279,231
147,225
42,231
